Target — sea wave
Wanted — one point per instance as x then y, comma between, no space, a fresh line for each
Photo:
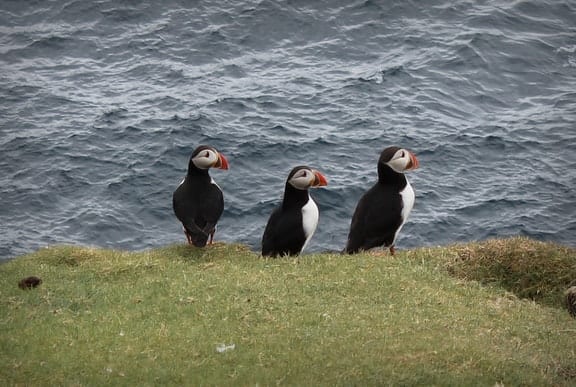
104,102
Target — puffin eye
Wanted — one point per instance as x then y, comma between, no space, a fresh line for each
207,154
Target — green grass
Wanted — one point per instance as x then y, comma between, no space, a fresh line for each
456,315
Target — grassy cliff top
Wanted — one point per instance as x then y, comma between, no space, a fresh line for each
468,314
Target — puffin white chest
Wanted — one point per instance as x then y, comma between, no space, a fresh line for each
310,217
408,198
214,183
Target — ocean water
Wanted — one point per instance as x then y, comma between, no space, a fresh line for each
102,102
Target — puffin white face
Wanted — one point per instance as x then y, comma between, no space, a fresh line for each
403,160
205,159
305,178
302,179
209,158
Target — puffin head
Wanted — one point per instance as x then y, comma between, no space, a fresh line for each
399,159
303,177
205,157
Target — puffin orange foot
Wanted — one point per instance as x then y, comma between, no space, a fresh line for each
188,238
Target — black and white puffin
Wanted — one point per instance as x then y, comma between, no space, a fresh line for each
293,223
384,208
198,201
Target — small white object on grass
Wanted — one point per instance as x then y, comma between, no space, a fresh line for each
224,348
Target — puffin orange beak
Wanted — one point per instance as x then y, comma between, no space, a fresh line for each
222,163
319,180
414,163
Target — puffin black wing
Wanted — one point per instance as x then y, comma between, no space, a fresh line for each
376,219
283,234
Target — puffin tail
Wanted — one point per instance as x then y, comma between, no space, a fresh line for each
196,239
350,249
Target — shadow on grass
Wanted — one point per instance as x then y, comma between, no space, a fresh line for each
211,253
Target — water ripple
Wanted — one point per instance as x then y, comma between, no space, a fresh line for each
104,101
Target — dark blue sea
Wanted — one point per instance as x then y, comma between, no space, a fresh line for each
102,102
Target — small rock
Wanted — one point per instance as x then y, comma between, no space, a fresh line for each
571,300
29,282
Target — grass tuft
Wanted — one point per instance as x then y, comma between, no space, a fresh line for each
540,271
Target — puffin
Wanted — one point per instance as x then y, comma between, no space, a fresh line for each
198,202
383,209
292,224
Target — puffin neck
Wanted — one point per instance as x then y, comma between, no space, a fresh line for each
294,197
387,175
195,171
